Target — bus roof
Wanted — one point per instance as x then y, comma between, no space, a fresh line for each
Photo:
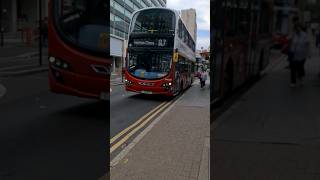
147,8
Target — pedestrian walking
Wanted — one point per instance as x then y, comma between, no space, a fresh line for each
300,48
286,48
203,78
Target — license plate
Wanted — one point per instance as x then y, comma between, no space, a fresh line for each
146,92
104,96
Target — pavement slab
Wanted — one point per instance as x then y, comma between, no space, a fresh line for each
174,147
272,131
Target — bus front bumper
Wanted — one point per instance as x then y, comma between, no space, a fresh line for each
79,85
149,90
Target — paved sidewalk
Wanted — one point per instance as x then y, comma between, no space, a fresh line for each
14,50
116,79
273,131
177,147
21,59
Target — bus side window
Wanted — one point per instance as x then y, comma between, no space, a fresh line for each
180,29
181,64
178,65
184,65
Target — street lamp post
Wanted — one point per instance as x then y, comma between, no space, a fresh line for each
1,26
40,33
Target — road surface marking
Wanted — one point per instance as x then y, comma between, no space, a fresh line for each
124,139
3,90
137,122
126,150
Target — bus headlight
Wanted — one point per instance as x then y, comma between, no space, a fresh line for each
65,66
58,63
166,85
52,59
128,82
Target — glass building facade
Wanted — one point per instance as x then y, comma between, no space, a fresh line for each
120,14
121,11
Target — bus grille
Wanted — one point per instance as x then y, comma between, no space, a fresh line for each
146,84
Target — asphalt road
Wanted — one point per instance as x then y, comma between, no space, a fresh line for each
127,107
49,136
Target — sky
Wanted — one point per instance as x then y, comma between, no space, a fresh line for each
203,18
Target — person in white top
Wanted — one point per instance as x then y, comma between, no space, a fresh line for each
300,48
203,78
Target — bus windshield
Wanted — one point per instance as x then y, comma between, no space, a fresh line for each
149,65
153,21
82,23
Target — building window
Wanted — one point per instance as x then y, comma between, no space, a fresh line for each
143,4
119,33
129,3
150,3
127,13
118,7
135,7
112,17
157,3
180,29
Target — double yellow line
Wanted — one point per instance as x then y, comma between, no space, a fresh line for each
137,126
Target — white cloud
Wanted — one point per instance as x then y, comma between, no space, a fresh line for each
203,15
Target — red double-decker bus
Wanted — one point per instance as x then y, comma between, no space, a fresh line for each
241,41
78,42
161,53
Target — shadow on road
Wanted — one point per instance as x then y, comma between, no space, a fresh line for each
98,110
152,97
